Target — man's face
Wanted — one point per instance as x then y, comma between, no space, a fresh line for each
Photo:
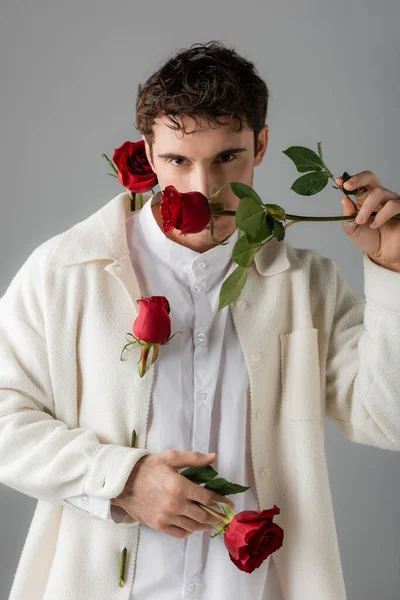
203,160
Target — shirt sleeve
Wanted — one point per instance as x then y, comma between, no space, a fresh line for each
362,374
100,507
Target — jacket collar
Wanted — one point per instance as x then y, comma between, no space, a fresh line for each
102,236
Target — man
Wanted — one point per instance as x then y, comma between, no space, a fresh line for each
253,381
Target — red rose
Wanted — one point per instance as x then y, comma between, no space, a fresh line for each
190,212
134,170
251,537
153,324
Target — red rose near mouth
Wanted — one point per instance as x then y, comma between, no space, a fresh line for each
251,537
134,170
153,324
190,212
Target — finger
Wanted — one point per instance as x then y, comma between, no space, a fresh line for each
199,523
348,225
200,494
362,179
177,532
389,210
196,513
179,459
377,198
217,498
357,192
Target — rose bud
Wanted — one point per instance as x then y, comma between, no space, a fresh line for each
251,537
134,170
151,328
153,324
189,212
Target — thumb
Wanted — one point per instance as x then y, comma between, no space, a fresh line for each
181,459
348,209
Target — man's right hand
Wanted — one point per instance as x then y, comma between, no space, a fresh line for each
158,496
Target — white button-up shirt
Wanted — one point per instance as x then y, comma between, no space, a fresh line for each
200,402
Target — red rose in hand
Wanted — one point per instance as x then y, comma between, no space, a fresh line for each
153,324
251,537
134,170
190,212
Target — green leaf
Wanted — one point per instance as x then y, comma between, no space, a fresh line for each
232,286
244,251
279,230
310,184
304,159
266,229
249,216
224,487
276,211
110,162
241,190
320,150
199,474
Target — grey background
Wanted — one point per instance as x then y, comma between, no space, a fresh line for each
69,74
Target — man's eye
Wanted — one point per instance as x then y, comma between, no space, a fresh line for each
228,154
224,161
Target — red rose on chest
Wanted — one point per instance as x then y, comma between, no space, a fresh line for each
153,324
151,328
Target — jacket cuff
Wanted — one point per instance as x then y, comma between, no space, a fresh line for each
381,286
110,469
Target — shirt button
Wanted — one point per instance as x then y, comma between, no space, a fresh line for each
264,472
199,287
191,587
201,395
259,414
201,265
85,499
241,304
255,356
201,337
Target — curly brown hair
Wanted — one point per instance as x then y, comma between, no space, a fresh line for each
208,81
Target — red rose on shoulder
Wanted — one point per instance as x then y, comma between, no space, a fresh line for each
251,537
134,170
190,212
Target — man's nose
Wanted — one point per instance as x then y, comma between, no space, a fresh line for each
202,182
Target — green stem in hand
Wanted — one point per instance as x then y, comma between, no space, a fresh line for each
215,514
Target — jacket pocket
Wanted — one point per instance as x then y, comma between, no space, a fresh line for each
300,375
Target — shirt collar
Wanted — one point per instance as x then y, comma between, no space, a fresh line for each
102,237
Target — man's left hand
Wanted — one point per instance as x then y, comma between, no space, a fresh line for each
382,244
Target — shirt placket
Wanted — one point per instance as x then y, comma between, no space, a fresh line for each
202,409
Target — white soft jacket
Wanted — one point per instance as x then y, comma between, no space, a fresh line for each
68,405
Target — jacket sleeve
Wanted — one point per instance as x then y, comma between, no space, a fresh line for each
40,456
362,369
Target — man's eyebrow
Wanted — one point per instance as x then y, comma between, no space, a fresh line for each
225,151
